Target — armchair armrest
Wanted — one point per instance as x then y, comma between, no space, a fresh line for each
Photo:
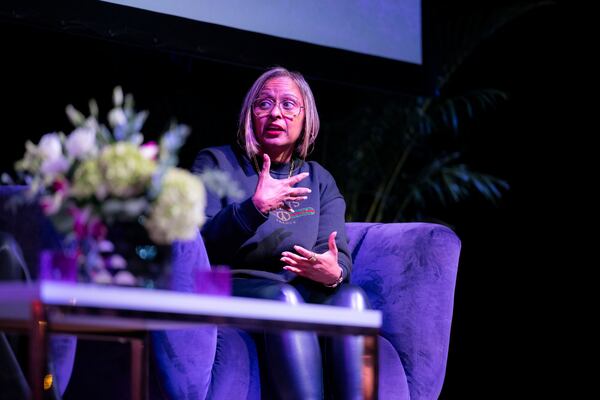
184,358
408,271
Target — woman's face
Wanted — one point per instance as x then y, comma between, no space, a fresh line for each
276,132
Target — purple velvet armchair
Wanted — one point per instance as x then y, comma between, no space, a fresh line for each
408,271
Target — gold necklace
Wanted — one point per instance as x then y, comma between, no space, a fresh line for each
258,169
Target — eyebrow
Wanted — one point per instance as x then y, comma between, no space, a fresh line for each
270,94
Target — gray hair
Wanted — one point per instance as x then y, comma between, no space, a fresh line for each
245,134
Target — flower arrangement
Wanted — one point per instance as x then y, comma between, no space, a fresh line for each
98,176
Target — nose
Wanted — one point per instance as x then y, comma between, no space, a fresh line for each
276,111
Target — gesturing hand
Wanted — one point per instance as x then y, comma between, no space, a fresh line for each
273,193
323,268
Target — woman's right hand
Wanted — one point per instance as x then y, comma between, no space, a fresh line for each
272,194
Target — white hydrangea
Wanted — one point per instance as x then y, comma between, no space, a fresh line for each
178,212
125,170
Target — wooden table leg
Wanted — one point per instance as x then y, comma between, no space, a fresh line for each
37,349
139,367
371,368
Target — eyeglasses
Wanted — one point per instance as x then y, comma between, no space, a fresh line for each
289,108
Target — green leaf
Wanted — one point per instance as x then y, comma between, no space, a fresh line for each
74,115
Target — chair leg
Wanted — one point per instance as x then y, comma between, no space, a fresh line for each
139,367
38,347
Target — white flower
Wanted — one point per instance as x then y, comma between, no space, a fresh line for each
50,147
118,96
82,142
178,212
54,167
117,117
91,123
125,171
50,150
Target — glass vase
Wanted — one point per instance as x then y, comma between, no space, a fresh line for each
135,256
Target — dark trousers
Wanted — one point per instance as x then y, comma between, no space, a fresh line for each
298,364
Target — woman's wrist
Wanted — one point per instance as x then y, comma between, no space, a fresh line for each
260,206
338,281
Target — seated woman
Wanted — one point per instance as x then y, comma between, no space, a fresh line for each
286,240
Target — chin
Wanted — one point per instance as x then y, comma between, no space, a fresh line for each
276,142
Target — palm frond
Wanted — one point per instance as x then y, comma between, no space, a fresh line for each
391,162
447,112
447,182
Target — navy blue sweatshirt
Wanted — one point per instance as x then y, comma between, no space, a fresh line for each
238,235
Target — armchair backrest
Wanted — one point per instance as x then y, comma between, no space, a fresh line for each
408,271
27,223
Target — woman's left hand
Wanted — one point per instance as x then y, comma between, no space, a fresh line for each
323,268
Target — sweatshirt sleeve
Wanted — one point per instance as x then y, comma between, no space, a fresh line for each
228,224
332,218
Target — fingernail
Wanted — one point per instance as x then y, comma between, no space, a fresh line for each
309,191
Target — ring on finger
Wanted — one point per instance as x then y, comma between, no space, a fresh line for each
313,258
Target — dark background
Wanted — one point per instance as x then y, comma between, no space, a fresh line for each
506,302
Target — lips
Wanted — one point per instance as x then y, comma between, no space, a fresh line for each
275,128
